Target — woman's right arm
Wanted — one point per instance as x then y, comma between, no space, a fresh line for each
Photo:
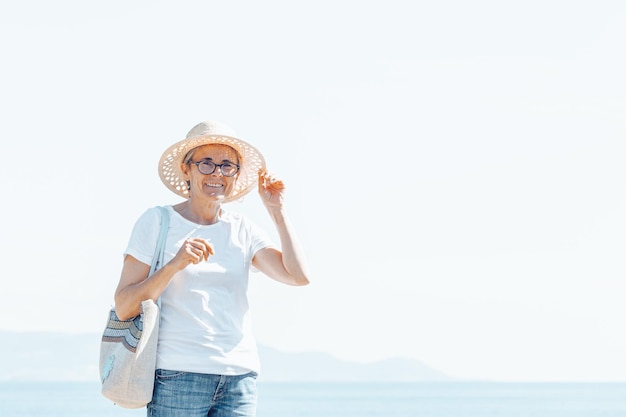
135,287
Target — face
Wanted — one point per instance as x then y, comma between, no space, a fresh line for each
214,185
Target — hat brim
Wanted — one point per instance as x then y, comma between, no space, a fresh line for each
251,163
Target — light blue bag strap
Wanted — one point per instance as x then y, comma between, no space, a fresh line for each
159,251
157,259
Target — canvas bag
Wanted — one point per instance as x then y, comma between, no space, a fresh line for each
128,347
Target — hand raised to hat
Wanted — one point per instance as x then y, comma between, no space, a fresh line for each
271,190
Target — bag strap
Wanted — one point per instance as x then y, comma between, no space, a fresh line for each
157,259
159,251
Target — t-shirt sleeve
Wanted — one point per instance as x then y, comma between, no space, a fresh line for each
259,239
144,236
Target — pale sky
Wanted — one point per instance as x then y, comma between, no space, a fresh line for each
454,169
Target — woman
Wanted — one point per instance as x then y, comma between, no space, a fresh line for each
207,359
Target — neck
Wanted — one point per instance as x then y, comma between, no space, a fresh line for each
199,211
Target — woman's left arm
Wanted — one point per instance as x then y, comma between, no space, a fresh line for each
287,265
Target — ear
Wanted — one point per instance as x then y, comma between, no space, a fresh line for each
185,170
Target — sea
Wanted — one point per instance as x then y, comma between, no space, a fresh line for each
365,399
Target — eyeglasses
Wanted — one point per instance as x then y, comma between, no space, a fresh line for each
206,167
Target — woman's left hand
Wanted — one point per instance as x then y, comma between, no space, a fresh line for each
271,190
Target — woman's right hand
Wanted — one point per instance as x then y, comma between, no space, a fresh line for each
193,251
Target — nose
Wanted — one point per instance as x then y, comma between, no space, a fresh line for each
217,172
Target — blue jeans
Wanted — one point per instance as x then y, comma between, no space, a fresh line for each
188,394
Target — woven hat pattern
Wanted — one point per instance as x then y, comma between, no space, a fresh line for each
207,133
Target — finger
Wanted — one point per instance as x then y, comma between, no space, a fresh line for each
207,250
193,252
206,246
261,179
276,183
203,247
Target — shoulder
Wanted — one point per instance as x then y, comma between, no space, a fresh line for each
152,216
229,216
153,212
239,222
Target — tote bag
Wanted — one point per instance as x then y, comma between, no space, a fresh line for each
128,347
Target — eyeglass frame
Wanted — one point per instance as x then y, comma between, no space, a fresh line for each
215,166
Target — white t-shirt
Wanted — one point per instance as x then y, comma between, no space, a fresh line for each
205,317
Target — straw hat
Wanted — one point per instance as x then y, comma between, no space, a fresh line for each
206,133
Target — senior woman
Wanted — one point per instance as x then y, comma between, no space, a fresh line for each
207,359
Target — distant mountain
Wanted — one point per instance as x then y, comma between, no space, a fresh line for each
40,356
316,366
48,356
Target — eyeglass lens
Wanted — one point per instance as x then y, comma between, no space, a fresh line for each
209,167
